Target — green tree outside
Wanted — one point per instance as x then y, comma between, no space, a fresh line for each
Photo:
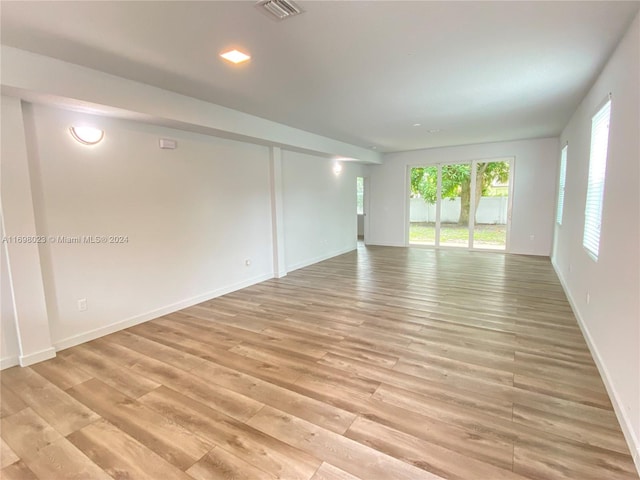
456,182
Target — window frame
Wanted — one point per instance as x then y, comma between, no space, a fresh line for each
562,180
359,195
596,182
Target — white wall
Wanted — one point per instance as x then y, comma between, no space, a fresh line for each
319,207
611,321
24,262
534,190
192,216
9,350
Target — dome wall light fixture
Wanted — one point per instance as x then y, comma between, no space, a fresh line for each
86,135
337,168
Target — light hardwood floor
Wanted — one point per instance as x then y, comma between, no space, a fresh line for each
385,364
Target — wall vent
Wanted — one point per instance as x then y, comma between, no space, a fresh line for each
279,9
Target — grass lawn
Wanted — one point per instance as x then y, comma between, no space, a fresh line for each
451,233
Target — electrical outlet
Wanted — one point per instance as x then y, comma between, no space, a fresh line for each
532,237
247,262
82,305
588,298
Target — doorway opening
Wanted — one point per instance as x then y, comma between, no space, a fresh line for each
461,205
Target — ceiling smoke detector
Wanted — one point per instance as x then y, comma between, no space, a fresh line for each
279,9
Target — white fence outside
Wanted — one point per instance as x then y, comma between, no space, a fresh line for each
491,210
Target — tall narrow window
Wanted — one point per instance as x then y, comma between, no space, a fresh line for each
360,195
561,182
595,185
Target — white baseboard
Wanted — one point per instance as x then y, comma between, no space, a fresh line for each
42,355
311,261
8,362
383,244
137,319
625,422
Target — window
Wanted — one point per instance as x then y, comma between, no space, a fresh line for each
595,185
360,195
561,182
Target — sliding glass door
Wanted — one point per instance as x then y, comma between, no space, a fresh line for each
454,205
461,205
492,212
422,206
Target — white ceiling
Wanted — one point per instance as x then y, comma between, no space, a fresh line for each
358,71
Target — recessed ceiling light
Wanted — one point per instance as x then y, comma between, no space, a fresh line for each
417,124
434,130
235,56
373,147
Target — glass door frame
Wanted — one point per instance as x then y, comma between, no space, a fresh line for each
365,205
472,206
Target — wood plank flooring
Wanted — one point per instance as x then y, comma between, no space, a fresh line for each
381,364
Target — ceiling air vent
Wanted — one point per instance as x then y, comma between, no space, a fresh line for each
279,9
